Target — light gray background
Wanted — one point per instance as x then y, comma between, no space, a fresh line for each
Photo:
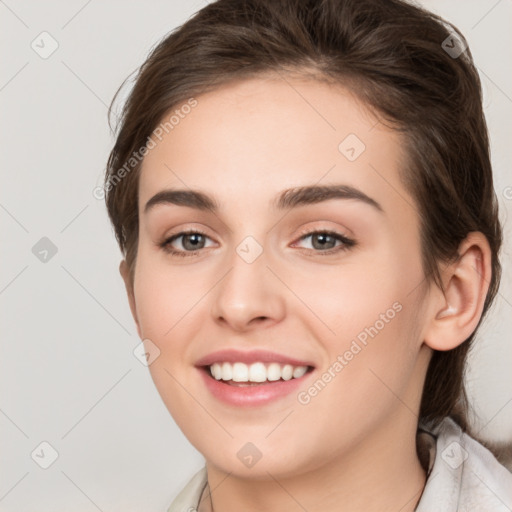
67,369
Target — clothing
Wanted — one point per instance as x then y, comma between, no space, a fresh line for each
462,476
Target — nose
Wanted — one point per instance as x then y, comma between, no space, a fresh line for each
248,296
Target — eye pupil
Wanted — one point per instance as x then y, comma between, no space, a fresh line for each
325,241
197,241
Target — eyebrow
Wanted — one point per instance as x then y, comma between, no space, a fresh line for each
290,198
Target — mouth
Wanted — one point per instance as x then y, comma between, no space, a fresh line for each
255,374
253,383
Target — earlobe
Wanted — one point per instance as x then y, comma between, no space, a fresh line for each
125,274
457,311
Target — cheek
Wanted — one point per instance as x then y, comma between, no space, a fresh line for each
165,298
369,325
168,305
355,296
366,379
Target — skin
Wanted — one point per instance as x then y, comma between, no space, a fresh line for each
352,447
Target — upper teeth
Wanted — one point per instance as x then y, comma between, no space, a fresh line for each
256,372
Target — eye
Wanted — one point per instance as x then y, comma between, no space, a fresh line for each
327,242
190,242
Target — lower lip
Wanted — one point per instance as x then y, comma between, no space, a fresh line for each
250,396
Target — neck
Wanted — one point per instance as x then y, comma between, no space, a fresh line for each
383,473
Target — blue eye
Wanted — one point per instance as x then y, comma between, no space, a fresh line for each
322,242
191,242
327,242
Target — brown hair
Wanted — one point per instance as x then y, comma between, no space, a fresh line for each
394,56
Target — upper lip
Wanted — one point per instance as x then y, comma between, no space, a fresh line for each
253,356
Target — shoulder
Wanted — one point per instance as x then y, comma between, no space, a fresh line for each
465,475
188,498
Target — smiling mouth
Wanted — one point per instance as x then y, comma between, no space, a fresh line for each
245,375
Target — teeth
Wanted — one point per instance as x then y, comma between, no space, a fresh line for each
226,372
299,371
287,372
274,371
256,372
216,371
240,372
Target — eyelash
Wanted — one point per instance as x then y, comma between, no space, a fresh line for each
347,243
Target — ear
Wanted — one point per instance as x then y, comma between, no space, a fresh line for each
125,273
456,313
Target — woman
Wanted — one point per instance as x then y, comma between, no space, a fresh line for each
303,195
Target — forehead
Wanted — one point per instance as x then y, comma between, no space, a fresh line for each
258,136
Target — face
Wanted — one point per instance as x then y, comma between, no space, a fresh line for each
298,283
